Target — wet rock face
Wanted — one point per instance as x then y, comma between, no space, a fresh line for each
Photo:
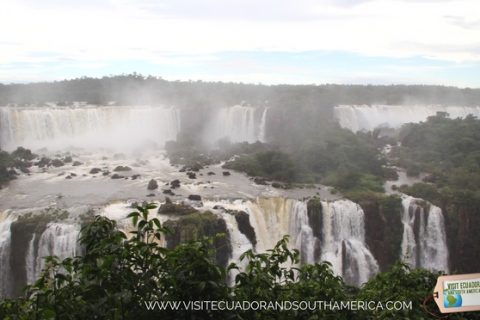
383,233
22,233
244,226
198,225
315,217
461,226
95,170
195,197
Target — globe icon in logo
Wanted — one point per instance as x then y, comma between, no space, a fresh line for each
451,299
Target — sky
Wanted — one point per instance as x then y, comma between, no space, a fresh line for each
251,41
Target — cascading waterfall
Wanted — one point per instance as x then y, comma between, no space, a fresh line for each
341,240
427,245
240,244
6,219
240,124
302,233
59,239
366,117
409,245
434,245
87,126
344,242
30,262
271,220
262,136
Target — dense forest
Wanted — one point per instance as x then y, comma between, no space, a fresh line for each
135,89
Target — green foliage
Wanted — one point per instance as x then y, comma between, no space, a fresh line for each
421,190
138,89
401,284
173,208
121,168
24,154
446,148
276,185
152,185
324,151
273,164
6,160
57,163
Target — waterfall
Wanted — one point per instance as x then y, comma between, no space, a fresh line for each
239,243
30,262
271,220
434,244
344,242
240,124
262,137
356,117
87,126
58,239
429,248
302,233
6,219
409,245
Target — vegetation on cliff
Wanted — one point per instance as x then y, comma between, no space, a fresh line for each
326,153
121,278
448,150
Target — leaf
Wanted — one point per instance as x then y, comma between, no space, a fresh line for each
134,220
49,314
142,224
151,206
133,214
157,222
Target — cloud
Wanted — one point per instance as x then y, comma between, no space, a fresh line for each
184,61
251,65
89,65
188,33
464,22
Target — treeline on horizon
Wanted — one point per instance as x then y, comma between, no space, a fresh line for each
136,89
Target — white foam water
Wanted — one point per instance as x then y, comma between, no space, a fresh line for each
358,117
86,127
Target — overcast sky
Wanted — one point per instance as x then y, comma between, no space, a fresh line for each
250,41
